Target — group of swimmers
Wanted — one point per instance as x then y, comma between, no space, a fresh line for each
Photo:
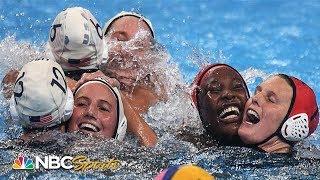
91,82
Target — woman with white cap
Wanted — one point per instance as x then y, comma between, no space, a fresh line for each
129,37
76,42
41,99
98,110
93,95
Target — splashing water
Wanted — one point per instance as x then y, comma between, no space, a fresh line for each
281,44
167,118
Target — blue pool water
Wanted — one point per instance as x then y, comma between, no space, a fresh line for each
256,37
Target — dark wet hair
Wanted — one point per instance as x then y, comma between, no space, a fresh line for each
286,78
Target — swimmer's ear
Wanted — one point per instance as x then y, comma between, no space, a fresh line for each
194,95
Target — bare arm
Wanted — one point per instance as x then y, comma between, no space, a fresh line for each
138,126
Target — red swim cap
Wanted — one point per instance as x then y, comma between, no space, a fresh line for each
198,78
303,116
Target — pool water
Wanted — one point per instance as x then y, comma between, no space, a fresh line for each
257,37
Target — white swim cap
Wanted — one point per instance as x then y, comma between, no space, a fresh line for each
76,40
41,97
126,13
122,120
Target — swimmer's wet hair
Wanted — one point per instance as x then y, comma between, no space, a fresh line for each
286,78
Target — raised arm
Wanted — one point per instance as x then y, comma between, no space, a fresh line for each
138,126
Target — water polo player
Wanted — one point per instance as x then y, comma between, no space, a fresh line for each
91,90
130,37
98,110
41,98
282,111
76,41
220,93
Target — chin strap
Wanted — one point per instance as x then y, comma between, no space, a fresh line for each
276,133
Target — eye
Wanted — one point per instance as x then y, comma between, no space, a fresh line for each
104,108
215,88
237,86
81,103
271,99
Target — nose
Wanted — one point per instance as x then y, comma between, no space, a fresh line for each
256,99
91,112
227,95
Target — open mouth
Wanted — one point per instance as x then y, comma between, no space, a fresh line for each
88,127
253,117
229,113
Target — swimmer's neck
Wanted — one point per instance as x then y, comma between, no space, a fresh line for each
275,145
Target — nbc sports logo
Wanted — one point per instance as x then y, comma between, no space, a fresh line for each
78,163
22,162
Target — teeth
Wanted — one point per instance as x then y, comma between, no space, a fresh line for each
230,109
231,116
89,126
252,112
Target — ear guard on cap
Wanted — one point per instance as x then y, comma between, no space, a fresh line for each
122,120
303,116
296,127
59,116
68,109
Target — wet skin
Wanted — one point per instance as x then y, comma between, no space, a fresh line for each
127,48
265,111
221,96
95,111
8,82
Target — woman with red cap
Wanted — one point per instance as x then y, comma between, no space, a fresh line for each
220,93
282,112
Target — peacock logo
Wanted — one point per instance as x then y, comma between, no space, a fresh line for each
22,162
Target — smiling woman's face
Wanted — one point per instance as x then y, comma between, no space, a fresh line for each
95,111
265,111
222,97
